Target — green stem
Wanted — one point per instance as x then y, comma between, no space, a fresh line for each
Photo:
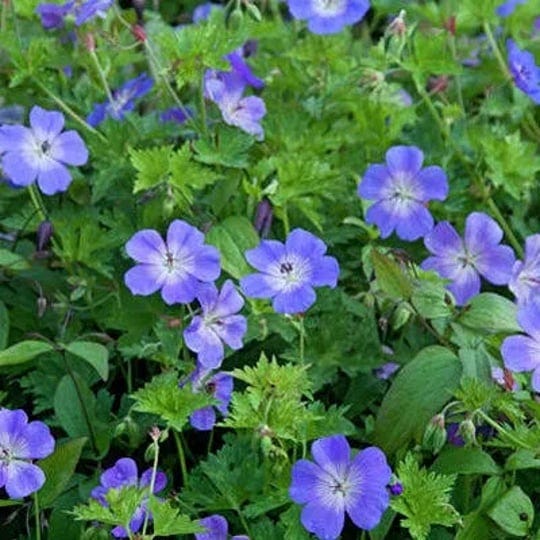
496,51
102,77
181,457
152,482
210,442
36,515
457,77
37,202
502,430
202,106
505,227
302,345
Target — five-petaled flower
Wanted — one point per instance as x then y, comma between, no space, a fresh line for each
525,280
401,188
124,474
177,266
328,16
524,71
217,528
522,353
336,484
464,261
288,272
20,442
41,152
218,324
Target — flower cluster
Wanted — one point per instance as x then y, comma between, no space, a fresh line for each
41,152
53,15
20,442
122,474
336,485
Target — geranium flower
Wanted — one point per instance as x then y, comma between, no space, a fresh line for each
20,442
289,272
218,324
401,188
91,9
336,484
220,387
123,100
522,353
328,16
41,152
464,261
524,71
123,474
177,267
507,8
217,528
525,280
52,15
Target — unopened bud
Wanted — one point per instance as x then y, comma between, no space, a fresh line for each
263,218
139,32
235,19
90,42
41,306
435,434
467,430
155,433
253,12
398,26
44,234
396,489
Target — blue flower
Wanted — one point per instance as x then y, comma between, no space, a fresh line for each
289,272
401,188
524,71
336,484
507,8
525,280
217,528
463,261
41,152
52,15
123,100
328,16
91,9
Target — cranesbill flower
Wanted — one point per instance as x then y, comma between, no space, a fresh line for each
122,474
242,69
525,280
217,528
202,12
20,442
226,90
52,15
123,100
328,16
91,9
464,261
176,267
289,272
220,387
401,188
218,324
522,353
336,484
507,8
524,71
41,151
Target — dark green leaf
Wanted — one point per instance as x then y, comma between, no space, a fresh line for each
95,354
23,352
4,326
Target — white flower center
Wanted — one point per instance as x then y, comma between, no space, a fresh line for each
293,271
329,8
177,263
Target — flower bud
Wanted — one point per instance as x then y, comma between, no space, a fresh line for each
263,218
235,19
44,234
139,32
435,434
467,430
398,26
90,42
253,12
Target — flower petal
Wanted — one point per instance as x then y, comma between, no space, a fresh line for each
305,244
384,215
144,279
375,183
23,479
46,125
416,224
206,263
306,477
326,522
325,273
434,183
465,285
495,264
260,286
183,237
529,319
481,232
179,288
53,177
123,473
216,527
20,168
203,419
69,148
229,301
200,339
147,246
38,441
16,139
521,353
265,255
404,159
333,454
443,240
294,301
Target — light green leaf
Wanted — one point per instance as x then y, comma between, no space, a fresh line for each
491,313
465,461
390,277
95,354
152,166
23,352
168,521
513,512
12,261
522,459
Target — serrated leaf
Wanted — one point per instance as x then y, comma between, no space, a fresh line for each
513,512
522,459
465,461
23,352
418,392
491,313
152,166
59,468
95,354
390,277
233,237
168,521
228,148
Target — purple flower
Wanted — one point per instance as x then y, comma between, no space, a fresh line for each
385,371
508,7
226,90
524,71
522,353
20,442
290,271
220,387
263,217
328,16
336,484
41,152
91,9
177,266
242,69
202,12
52,15
525,280
176,114
123,100
401,189
464,261
123,474
395,489
217,528
217,324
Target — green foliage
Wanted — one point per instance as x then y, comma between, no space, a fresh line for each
425,500
23,351
95,354
513,512
168,521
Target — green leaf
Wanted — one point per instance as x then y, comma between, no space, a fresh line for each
4,326
390,277
228,148
491,313
163,397
513,512
419,391
233,237
465,461
12,261
168,521
95,354
429,299
23,352
152,166
59,468
9,502
522,459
